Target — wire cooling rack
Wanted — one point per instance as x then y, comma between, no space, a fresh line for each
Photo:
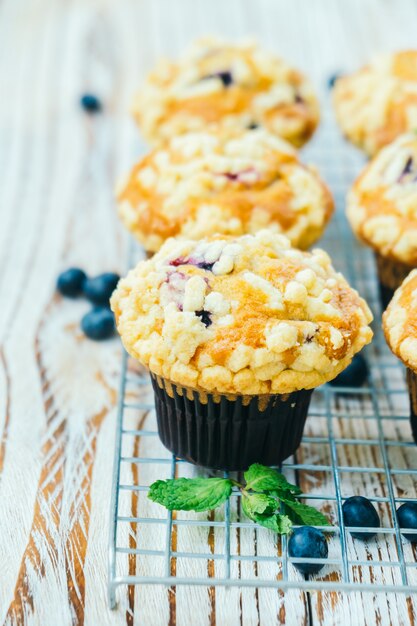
357,442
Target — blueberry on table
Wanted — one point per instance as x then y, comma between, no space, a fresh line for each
98,324
359,511
407,518
309,543
90,103
99,289
70,283
354,375
332,80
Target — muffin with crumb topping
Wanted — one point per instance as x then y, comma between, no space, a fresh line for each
400,328
227,85
230,182
382,209
379,102
236,333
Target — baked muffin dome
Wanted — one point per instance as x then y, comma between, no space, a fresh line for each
400,322
379,102
227,85
244,315
230,183
382,204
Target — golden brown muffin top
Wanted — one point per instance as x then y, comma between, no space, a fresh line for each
379,102
230,182
382,205
245,315
218,83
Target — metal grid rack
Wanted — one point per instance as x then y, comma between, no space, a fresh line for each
357,442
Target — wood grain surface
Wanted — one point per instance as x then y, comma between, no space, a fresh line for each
58,391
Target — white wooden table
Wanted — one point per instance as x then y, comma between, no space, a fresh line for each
58,390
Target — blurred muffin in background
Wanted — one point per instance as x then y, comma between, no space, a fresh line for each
231,183
382,209
379,102
400,328
230,85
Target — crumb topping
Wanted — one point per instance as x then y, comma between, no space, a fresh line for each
228,85
379,102
230,183
382,205
246,315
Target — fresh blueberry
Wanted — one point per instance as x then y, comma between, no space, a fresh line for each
70,283
90,103
407,518
354,375
332,80
359,511
100,288
205,317
309,543
98,323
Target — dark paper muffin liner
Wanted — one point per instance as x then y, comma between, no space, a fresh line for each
390,274
412,390
229,432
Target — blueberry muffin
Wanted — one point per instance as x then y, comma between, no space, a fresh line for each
382,209
229,85
400,328
231,183
237,332
379,102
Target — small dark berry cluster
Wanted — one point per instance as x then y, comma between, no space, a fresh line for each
98,323
359,512
307,542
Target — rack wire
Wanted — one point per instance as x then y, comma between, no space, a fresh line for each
357,442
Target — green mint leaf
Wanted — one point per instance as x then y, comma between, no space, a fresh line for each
261,508
258,503
261,478
304,514
190,494
280,524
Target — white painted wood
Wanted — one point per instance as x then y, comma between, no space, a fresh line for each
57,390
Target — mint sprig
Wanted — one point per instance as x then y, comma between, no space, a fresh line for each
267,499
